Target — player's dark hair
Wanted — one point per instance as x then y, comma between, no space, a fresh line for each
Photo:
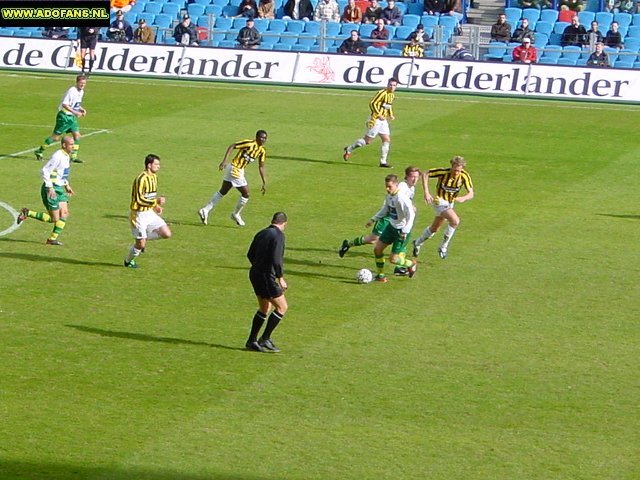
409,170
261,132
391,178
81,77
393,79
279,218
149,159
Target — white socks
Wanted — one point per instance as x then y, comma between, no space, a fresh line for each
240,205
213,202
384,152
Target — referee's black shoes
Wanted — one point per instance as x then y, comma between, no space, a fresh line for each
253,346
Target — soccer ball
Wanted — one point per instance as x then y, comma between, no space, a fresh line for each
364,276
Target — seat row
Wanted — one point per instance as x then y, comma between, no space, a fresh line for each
604,19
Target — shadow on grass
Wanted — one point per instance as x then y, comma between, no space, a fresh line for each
16,240
44,258
338,160
613,215
143,337
34,470
195,223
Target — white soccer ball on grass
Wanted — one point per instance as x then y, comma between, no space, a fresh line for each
364,276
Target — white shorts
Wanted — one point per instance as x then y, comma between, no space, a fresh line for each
238,181
143,223
380,127
440,205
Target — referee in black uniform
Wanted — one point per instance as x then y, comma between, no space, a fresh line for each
266,255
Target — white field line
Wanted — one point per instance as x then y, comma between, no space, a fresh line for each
333,91
14,215
29,125
17,154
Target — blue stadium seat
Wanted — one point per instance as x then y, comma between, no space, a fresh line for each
622,63
172,9
153,7
227,44
448,22
300,48
201,2
229,11
147,17
633,31
403,31
295,26
239,23
513,15
137,7
548,15
612,53
345,28
282,47
540,40
204,21
265,46
268,38
277,26
307,39
366,29
195,10
635,19
429,21
163,20
632,43
393,52
312,27
215,10
288,38
415,8
531,14
626,54
550,55
495,51
586,18
604,19
570,55
223,23
235,3
544,27
411,20
624,19
375,51
222,3
332,29
560,26
261,24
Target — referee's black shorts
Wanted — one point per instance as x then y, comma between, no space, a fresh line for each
89,42
265,284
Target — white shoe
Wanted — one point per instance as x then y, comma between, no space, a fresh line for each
238,219
204,216
416,248
442,252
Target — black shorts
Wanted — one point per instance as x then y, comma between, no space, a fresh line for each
89,42
265,284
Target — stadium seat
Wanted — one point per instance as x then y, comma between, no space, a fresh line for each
411,20
586,18
295,26
147,17
544,27
227,44
195,10
238,23
22,33
541,40
332,29
548,15
623,19
570,55
366,29
627,55
300,48
223,23
550,55
137,7
612,53
635,19
261,24
235,3
229,11
201,2
163,20
221,3
288,38
375,51
153,7
215,10
448,22
414,8
632,43
282,47
307,39
312,27
559,27
495,51
393,52
429,21
345,28
622,63
403,31
604,19
268,38
204,22
633,31
172,9
513,15
531,14
277,26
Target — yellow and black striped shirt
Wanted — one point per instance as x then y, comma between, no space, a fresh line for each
448,186
381,104
248,152
144,192
413,51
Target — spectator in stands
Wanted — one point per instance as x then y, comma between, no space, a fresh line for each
421,36
594,35
248,9
144,33
574,34
623,6
120,30
56,32
351,13
392,15
501,30
380,33
185,32
599,57
353,45
298,10
522,32
525,53
573,5
528,3
266,9
413,48
122,5
372,13
248,36
433,7
461,53
327,10
613,38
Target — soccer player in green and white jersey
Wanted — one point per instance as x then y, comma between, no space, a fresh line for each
55,191
411,177
69,110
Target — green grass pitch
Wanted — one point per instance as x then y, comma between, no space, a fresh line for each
515,359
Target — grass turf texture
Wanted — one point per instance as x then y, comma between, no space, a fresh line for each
516,358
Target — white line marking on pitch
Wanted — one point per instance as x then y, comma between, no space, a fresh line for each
17,154
5,124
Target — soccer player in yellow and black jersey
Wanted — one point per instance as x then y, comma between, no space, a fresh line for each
381,106
450,182
146,208
248,151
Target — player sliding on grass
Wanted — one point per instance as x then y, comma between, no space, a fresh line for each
378,123
399,208
411,176
55,191
450,182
